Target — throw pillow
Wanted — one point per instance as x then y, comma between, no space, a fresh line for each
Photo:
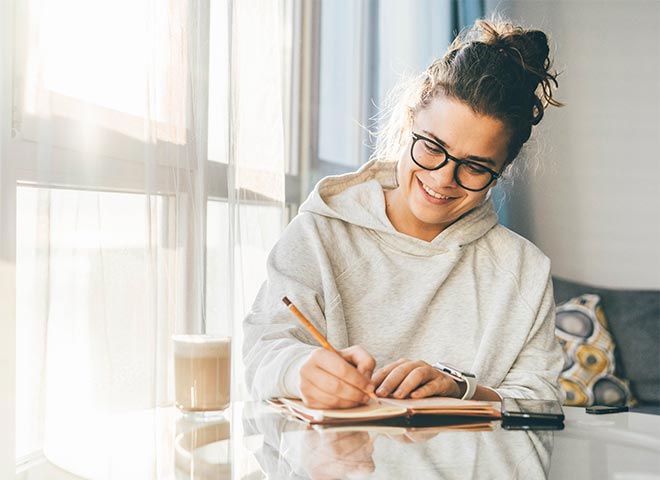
589,364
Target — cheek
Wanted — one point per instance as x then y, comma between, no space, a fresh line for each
403,172
477,197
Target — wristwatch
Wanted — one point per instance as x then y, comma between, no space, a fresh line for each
470,379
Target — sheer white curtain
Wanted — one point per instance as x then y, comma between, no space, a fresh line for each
144,185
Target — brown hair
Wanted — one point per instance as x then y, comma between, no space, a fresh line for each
498,69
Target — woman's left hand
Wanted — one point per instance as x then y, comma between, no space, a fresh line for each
416,379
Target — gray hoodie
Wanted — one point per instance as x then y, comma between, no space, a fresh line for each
478,296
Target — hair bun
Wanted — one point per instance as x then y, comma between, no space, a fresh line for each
527,48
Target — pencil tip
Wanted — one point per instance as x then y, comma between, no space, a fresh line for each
286,301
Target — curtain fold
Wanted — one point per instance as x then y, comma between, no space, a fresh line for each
256,163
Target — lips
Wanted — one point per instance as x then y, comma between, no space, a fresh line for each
432,193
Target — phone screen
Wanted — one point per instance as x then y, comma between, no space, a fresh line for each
524,408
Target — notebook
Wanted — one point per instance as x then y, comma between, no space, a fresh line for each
390,408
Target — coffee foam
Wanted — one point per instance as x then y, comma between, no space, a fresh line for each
196,346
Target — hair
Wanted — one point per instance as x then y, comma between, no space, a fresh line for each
498,69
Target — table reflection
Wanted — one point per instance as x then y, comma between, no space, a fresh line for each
291,449
202,450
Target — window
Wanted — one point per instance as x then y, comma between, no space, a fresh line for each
108,195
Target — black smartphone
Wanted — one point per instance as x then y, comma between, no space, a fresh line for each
526,411
602,409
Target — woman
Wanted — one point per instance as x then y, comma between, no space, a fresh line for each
403,264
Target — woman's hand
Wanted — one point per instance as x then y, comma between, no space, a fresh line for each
418,379
328,380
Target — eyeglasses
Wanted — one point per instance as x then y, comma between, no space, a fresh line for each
430,155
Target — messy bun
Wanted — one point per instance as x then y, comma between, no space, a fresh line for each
499,70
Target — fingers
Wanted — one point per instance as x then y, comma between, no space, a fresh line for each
362,360
340,455
351,444
315,397
345,371
382,373
442,385
329,381
406,378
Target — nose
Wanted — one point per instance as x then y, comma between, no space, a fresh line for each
445,176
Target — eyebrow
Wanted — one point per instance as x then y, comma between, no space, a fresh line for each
475,158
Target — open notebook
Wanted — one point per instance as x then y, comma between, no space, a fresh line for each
390,408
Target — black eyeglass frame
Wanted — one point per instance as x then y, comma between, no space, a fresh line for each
493,174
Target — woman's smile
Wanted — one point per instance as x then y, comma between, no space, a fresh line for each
435,197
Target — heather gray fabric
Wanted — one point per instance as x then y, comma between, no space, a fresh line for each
478,296
634,320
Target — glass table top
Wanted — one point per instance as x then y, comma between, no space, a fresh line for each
253,441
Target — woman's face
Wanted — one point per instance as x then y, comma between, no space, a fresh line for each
426,202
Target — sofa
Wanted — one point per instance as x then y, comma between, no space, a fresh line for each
633,319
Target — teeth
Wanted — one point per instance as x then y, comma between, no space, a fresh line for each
434,194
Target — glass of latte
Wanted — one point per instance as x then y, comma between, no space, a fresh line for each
202,374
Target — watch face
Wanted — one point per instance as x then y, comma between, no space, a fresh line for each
453,371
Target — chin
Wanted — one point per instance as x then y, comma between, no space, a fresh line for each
430,219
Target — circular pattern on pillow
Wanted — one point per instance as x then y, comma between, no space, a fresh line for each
609,390
574,323
575,394
591,358
589,365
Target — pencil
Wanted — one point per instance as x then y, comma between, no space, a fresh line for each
317,335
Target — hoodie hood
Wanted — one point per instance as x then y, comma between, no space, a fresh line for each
357,198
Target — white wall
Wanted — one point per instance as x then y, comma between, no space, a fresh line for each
594,204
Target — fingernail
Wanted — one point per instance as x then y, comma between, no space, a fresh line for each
380,391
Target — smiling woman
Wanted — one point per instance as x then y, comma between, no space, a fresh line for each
453,286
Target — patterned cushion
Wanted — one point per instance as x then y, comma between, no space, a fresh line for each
589,363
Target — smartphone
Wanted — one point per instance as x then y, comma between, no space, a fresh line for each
601,409
526,411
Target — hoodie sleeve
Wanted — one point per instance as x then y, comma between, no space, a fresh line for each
535,372
275,344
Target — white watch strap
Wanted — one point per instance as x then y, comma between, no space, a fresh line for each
461,377
470,388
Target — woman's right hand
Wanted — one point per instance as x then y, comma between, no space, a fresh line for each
329,380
